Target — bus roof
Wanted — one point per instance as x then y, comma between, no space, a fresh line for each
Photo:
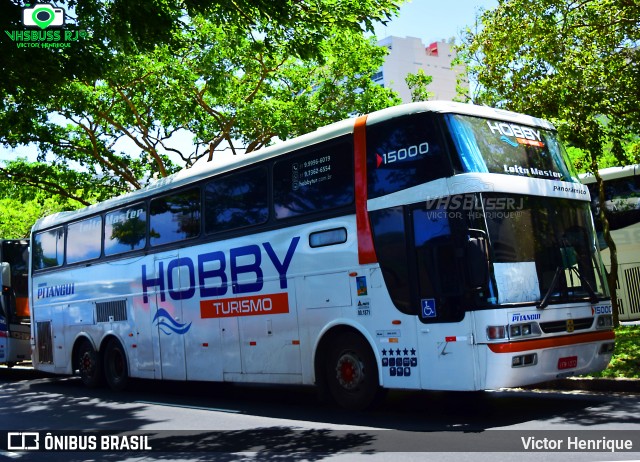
611,173
204,170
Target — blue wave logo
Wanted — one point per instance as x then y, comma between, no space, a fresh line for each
167,324
509,141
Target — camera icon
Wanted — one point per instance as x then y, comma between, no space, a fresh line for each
43,15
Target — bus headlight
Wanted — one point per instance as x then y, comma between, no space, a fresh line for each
524,330
513,331
605,321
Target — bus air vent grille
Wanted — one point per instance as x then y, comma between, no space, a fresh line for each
45,342
112,311
632,276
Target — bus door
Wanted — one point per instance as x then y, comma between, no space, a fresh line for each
264,322
270,342
447,353
166,311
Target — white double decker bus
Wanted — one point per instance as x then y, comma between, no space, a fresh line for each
622,203
434,246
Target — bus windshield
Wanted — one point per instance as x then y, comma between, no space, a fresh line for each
492,146
541,248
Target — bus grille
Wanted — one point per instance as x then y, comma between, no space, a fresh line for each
45,342
111,311
632,278
561,326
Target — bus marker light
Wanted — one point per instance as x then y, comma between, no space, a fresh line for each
295,342
496,332
396,322
607,348
252,343
353,274
524,360
205,344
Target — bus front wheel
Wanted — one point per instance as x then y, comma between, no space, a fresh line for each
351,373
116,370
88,365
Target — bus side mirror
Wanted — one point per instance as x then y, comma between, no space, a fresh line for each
6,274
477,263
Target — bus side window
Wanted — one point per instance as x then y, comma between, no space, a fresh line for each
403,153
125,229
313,181
236,201
48,248
84,240
175,217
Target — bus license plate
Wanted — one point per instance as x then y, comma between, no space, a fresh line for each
568,363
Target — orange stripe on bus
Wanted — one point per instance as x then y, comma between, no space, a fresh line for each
551,342
366,251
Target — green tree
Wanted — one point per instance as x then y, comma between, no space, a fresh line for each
418,84
17,216
224,77
573,62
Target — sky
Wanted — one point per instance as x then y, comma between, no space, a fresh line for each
434,20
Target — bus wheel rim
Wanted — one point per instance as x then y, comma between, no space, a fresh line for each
349,371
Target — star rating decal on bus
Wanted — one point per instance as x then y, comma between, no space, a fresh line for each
399,361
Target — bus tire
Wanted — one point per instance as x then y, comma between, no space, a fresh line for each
89,365
352,373
116,369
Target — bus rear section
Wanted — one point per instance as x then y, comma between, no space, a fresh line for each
14,304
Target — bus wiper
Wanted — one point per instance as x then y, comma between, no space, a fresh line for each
568,259
593,298
545,300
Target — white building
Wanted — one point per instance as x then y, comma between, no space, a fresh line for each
408,55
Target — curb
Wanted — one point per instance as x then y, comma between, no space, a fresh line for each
590,384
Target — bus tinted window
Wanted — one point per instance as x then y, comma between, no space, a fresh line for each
48,250
236,201
84,240
175,217
402,153
495,146
313,181
622,202
125,229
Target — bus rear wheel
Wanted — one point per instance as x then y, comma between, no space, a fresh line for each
116,370
351,373
88,365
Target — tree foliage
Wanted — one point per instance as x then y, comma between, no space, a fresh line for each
21,205
575,62
418,84
159,85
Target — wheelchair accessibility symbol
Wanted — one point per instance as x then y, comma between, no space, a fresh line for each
429,308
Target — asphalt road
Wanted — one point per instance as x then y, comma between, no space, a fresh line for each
203,421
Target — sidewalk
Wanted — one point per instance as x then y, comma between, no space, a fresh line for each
590,384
